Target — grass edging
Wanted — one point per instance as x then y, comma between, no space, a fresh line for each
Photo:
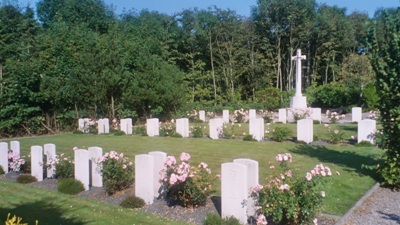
358,203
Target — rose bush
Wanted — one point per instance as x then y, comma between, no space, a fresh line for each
289,200
188,185
118,172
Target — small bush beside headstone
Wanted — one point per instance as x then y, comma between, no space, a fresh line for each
70,186
26,179
132,202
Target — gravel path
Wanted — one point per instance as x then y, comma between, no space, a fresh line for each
380,206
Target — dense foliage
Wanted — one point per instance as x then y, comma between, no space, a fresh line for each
78,59
384,42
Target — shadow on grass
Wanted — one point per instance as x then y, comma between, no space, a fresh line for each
350,160
44,211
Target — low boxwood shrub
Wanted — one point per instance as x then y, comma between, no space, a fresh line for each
248,137
176,135
119,133
132,202
364,144
215,219
1,170
26,179
70,186
77,132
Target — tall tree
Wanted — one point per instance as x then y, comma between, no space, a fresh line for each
384,47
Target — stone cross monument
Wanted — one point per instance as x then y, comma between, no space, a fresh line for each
298,101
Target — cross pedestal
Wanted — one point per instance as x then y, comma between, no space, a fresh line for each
298,102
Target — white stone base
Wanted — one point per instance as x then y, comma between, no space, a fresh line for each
298,102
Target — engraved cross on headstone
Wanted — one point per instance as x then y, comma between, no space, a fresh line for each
298,59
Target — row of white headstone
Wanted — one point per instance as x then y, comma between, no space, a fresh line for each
285,115
365,130
226,116
86,165
103,125
238,178
14,147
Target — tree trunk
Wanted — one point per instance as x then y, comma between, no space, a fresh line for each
279,78
212,70
76,111
326,73
112,107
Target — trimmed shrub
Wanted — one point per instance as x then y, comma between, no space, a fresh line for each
176,135
132,202
248,137
77,132
119,133
364,144
215,219
70,186
26,179
1,170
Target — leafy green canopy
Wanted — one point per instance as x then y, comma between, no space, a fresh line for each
384,45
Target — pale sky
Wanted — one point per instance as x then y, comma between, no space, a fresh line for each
242,7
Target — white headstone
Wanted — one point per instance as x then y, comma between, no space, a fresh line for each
305,130
182,127
298,101
234,193
252,181
153,127
282,116
129,125
4,156
144,177
202,115
37,162
95,154
159,159
216,126
126,125
256,128
366,129
100,126
316,114
106,124
15,147
225,116
356,114
81,158
81,124
122,124
252,114
50,153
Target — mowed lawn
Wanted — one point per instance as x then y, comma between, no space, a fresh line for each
342,191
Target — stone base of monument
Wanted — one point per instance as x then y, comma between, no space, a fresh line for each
298,102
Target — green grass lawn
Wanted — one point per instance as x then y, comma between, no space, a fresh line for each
342,191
